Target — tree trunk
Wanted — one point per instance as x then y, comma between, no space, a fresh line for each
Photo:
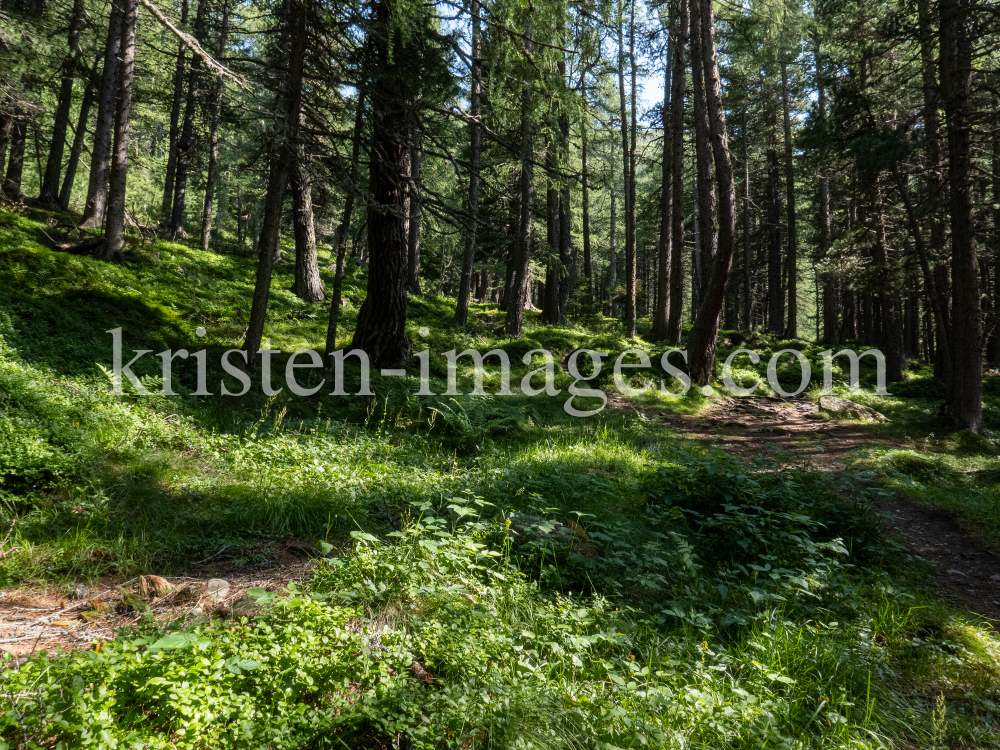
186,143
661,310
792,328
213,141
892,341
518,292
831,290
550,305
6,125
935,182
704,332
707,232
956,84
696,274
307,286
343,229
679,84
996,244
930,283
565,266
776,314
585,187
15,165
626,163
415,189
49,193
78,137
630,235
475,136
381,327
173,134
747,304
100,161
114,230
613,257
288,105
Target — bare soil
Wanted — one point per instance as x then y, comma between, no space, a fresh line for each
52,617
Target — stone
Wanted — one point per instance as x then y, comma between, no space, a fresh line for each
216,590
844,407
79,591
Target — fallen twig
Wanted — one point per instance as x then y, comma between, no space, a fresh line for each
222,549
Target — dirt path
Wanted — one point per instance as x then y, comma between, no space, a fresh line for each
968,571
791,429
74,616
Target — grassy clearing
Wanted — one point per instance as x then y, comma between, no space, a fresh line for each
517,578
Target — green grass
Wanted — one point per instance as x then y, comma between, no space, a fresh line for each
566,582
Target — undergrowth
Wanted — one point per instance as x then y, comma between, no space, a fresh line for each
512,577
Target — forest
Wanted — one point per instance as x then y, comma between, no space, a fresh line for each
531,549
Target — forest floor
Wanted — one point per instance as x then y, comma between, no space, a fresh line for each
794,433
700,570
789,432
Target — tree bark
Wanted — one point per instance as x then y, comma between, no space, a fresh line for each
173,134
930,283
704,332
792,327
550,304
213,140
831,289
935,180
49,193
100,161
661,311
996,244
15,164
626,163
613,257
630,235
307,285
381,327
518,292
415,189
343,229
679,84
288,104
6,125
956,87
585,187
747,296
776,313
186,143
707,233
892,340
565,267
78,137
475,149
114,230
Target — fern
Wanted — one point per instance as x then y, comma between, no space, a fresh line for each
474,416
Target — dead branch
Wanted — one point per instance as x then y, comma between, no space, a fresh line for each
192,43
